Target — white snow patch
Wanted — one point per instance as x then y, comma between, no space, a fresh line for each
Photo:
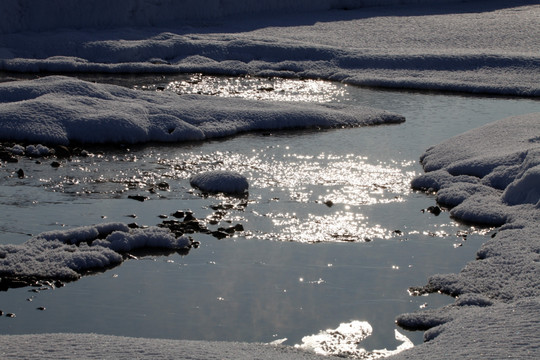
65,254
478,47
60,110
492,176
220,181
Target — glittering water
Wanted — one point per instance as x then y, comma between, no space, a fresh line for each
332,234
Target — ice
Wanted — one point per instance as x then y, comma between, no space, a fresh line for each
227,182
61,110
66,254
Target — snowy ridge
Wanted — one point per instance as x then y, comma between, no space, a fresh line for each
489,175
66,254
31,15
60,110
491,49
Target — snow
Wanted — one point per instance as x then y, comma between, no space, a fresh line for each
66,254
491,176
24,15
488,175
62,110
217,181
480,47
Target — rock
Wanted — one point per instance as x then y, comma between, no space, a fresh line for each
10,315
138,197
20,173
329,203
62,151
189,217
163,186
42,308
435,210
55,164
178,214
219,234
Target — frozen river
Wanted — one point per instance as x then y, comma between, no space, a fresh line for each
332,231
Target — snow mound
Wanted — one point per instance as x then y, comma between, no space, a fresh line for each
492,176
487,174
69,253
220,181
60,110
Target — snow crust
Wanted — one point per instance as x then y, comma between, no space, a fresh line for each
66,254
61,110
479,47
227,182
29,15
489,175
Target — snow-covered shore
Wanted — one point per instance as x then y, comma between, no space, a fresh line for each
488,175
477,47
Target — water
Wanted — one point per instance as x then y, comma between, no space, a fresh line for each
333,232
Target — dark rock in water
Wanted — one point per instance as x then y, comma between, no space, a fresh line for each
435,210
238,227
20,173
1,313
219,234
133,226
398,232
42,308
178,214
163,186
329,203
229,230
59,284
189,217
10,315
55,164
138,197
163,216
7,156
62,151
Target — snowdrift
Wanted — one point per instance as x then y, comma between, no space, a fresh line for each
60,110
490,176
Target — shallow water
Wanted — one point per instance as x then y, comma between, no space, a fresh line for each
333,232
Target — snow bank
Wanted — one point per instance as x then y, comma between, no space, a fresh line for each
32,15
491,176
60,110
65,254
478,47
227,182
93,346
